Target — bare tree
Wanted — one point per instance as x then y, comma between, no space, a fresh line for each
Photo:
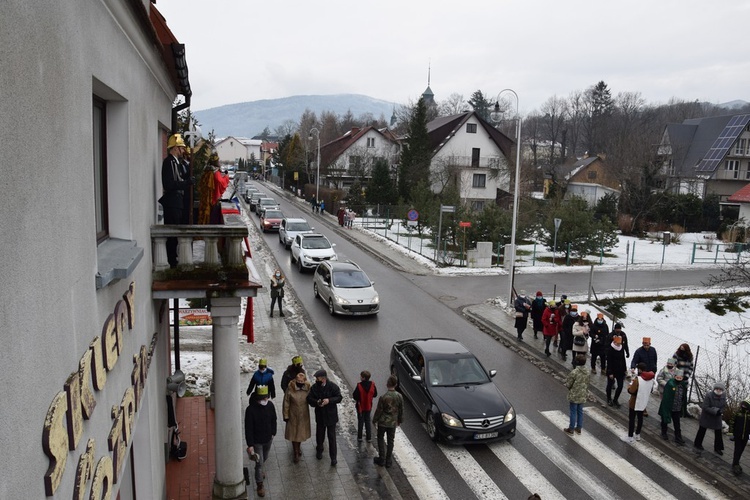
574,124
453,105
734,276
287,127
555,112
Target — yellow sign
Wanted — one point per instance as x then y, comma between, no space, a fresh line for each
296,176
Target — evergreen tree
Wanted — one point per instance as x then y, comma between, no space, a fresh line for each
380,189
600,107
416,155
586,235
480,104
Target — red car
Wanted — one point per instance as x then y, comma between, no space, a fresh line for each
270,220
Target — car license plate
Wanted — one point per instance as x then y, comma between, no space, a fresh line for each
486,435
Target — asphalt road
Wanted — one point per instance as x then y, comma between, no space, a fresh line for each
423,306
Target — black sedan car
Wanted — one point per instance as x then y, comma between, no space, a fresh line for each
452,391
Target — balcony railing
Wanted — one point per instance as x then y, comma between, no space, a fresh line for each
492,162
210,257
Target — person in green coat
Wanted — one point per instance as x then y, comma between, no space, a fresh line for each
577,383
673,402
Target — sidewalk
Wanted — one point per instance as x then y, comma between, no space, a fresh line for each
499,323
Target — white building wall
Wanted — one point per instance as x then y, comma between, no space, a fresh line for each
55,56
231,149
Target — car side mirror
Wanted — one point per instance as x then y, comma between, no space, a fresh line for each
493,373
372,283
416,378
333,244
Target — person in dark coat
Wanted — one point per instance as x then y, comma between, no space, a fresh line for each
566,336
175,182
645,354
340,216
291,372
325,396
684,357
599,334
741,433
712,408
260,429
522,306
673,403
364,393
616,369
263,376
277,291
538,305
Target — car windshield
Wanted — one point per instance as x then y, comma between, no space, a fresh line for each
298,226
315,243
350,279
455,371
274,214
267,201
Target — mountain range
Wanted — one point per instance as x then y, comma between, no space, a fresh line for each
247,119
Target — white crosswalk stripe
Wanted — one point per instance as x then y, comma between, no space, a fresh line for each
636,479
662,460
476,478
417,472
573,469
529,476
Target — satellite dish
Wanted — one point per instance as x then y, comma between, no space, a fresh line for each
176,383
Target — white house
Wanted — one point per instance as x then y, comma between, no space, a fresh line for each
231,149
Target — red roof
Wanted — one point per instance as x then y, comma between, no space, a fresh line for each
741,196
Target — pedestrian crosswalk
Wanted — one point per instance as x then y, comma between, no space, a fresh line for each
584,462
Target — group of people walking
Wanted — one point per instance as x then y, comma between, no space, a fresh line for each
323,396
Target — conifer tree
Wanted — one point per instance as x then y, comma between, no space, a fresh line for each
416,154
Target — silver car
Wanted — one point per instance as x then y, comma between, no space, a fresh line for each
290,228
346,289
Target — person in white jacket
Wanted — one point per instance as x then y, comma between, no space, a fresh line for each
640,390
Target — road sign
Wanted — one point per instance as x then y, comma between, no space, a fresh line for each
412,215
447,208
557,224
411,223
464,224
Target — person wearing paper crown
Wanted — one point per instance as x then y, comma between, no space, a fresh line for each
260,429
291,372
263,376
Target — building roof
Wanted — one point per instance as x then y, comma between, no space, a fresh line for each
330,151
441,129
741,196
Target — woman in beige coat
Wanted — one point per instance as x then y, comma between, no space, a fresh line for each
297,414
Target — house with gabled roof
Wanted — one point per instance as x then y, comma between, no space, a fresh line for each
351,156
231,149
706,155
741,198
590,179
469,151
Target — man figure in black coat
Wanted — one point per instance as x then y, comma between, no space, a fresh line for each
175,182
324,396
260,429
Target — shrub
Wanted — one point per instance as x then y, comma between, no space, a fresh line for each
658,307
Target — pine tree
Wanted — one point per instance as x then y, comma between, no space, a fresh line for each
480,104
417,154
380,189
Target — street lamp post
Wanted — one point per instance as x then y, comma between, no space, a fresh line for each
496,116
317,163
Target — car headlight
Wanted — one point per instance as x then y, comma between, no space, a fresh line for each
341,300
376,299
510,415
334,257
451,421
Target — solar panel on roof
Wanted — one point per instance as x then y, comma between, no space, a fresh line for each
721,145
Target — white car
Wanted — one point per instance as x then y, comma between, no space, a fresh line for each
309,250
290,228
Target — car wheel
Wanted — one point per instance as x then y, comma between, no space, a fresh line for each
300,267
315,290
432,427
330,307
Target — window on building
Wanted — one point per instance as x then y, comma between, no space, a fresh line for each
370,142
740,147
592,174
474,157
354,161
733,169
479,181
670,167
471,128
101,207
477,206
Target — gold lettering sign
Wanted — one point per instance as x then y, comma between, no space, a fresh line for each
116,441
84,471
88,401
98,373
129,297
109,342
55,443
121,322
75,418
101,488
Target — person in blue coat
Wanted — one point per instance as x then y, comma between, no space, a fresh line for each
263,376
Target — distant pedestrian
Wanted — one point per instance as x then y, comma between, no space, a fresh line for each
322,207
577,383
363,395
684,357
325,396
619,332
640,391
389,414
741,433
666,374
673,403
580,336
522,306
599,334
314,204
566,335
296,414
538,305
277,291
291,372
349,217
340,215
551,324
260,429
712,409
263,376
616,369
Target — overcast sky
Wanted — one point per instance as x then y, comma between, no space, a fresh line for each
243,50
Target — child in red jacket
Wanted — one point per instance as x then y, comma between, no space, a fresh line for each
363,395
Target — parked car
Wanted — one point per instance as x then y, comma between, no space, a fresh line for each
270,219
451,391
249,192
290,228
309,250
265,204
254,200
345,288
